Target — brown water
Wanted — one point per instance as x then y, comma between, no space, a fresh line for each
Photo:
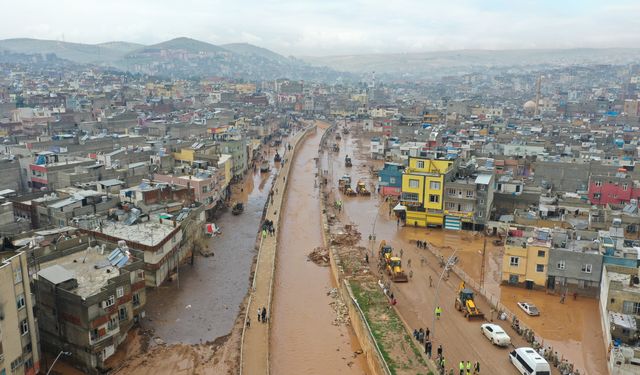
303,339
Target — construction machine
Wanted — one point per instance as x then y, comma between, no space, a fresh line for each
385,252
466,304
395,271
361,189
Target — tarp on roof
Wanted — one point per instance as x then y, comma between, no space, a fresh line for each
56,274
483,179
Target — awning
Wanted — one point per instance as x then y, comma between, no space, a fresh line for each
400,207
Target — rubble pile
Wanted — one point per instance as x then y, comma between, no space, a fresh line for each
341,310
348,236
319,256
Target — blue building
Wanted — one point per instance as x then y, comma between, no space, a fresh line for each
390,179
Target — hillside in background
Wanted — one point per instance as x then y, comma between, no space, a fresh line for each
179,58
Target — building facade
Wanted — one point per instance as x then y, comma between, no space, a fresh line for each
423,190
526,258
19,347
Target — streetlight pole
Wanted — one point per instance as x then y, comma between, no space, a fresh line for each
56,360
447,266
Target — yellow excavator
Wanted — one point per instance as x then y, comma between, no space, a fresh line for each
466,304
385,252
395,271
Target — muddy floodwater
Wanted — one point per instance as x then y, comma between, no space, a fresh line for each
303,338
207,301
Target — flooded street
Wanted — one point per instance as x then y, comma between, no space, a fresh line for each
207,301
303,339
574,330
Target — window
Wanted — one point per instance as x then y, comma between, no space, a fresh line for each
561,264
631,307
596,195
413,183
24,327
18,275
122,313
420,164
625,186
514,261
481,201
450,206
28,363
539,267
598,183
16,364
136,299
94,334
586,268
20,301
433,198
392,180
541,253
451,191
470,193
410,197
119,292
434,185
113,323
110,302
480,214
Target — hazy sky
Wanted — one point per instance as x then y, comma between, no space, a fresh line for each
322,27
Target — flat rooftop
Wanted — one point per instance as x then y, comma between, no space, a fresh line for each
148,233
89,267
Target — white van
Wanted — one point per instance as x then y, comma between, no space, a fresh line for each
529,362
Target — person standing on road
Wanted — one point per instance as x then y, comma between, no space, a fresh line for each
264,315
468,367
259,314
264,233
427,348
438,312
461,367
401,252
439,350
476,368
426,333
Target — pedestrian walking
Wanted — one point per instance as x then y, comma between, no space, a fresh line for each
264,315
415,333
401,253
468,367
427,348
476,368
259,314
248,322
366,258
461,367
438,312
440,350
426,333
562,298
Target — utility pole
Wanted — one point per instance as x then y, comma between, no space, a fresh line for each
447,267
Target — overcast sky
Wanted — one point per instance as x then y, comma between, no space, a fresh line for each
335,27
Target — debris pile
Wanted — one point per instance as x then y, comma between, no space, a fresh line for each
341,310
348,236
319,256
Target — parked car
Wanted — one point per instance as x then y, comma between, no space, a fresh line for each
495,334
529,308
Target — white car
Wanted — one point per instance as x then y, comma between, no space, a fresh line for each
495,334
529,308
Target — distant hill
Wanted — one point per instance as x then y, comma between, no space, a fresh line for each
249,49
183,44
179,57
76,52
429,62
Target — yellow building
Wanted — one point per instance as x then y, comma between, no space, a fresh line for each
423,190
186,155
526,258
225,163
